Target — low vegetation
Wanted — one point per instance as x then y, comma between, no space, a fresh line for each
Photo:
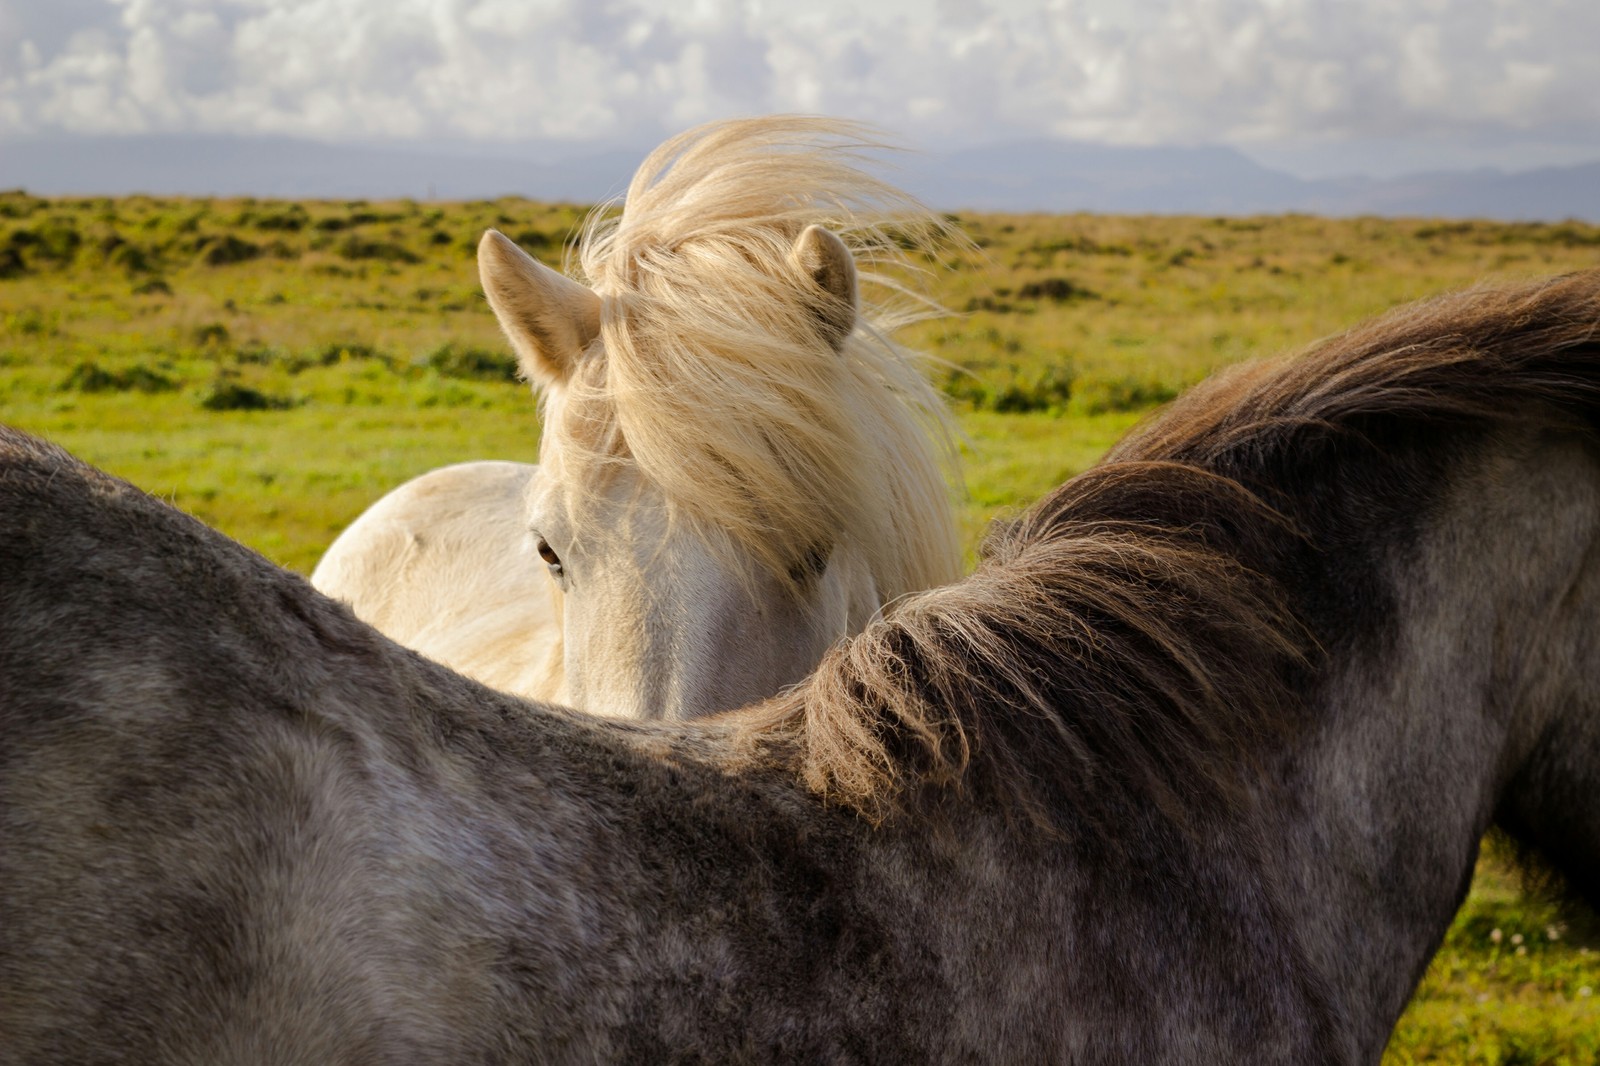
274,367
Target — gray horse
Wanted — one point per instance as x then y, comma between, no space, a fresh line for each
1192,769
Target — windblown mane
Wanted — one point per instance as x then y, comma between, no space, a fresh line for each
1140,629
715,378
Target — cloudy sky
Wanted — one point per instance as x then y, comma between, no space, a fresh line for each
1315,86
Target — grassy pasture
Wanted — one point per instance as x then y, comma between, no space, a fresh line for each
273,367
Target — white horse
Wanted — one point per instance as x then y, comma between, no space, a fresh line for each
737,466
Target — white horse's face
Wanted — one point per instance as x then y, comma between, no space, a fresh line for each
655,620
655,623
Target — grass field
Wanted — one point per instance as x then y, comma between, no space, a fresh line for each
273,367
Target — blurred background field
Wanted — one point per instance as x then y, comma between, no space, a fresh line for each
275,366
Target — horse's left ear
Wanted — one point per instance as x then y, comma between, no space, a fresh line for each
549,318
820,255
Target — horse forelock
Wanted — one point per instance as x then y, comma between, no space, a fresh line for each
718,383
1133,632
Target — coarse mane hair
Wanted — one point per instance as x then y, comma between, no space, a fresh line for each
1139,630
715,378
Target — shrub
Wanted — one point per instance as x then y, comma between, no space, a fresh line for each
1101,395
54,240
1049,390
211,335
128,256
995,302
960,386
232,396
354,247
258,354
291,218
1075,245
32,322
226,249
1060,290
479,364
534,241
1572,235
17,203
90,377
344,351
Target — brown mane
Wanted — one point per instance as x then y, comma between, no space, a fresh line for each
1151,619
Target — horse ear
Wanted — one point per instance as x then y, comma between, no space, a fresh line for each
820,255
549,318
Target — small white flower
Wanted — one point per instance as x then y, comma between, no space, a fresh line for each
1516,938
1494,935
1552,932
1522,951
1585,991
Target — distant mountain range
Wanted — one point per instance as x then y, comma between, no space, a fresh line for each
1045,176
282,167
1068,176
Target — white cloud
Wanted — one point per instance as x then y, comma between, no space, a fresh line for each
1250,72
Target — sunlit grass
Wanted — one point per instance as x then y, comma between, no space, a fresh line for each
1513,983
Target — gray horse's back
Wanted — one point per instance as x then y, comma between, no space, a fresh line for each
237,825
185,874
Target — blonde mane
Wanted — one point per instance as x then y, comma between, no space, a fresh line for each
717,382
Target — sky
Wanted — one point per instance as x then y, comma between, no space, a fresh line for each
1316,87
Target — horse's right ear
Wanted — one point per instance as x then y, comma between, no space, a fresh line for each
823,258
549,318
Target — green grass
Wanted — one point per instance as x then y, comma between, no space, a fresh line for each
274,367
1514,983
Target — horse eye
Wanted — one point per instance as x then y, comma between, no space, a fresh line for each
812,565
548,554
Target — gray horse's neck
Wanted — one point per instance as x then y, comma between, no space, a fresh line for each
1481,677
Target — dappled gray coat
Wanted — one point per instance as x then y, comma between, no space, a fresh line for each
1193,769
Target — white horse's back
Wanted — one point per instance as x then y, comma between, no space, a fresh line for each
444,565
